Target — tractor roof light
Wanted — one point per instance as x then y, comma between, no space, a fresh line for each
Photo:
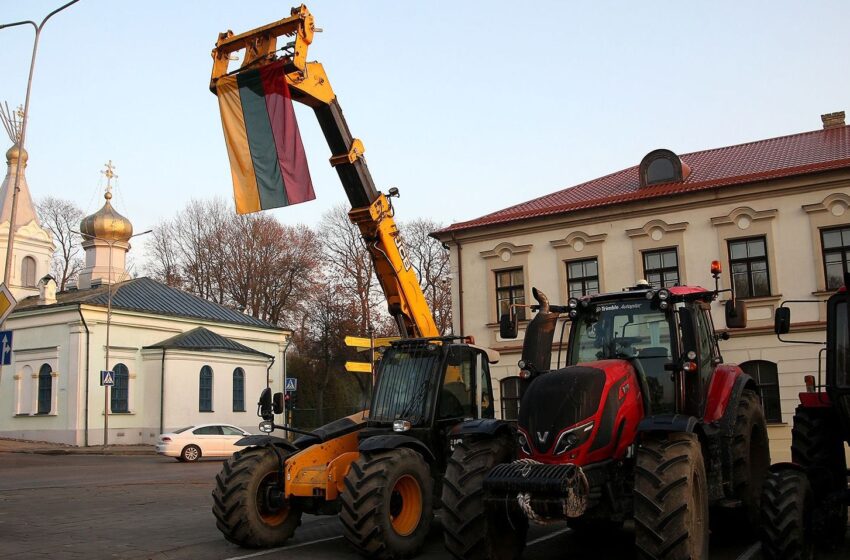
525,374
663,294
650,294
572,303
810,383
521,364
573,313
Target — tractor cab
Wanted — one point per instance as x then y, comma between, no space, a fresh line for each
427,386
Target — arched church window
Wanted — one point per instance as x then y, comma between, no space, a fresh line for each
45,389
120,390
205,390
28,272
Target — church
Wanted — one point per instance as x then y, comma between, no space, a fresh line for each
175,359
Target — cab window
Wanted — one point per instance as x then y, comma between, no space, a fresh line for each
457,396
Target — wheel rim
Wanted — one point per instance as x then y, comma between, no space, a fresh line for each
191,453
271,516
405,505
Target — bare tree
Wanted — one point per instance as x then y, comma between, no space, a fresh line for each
62,218
431,261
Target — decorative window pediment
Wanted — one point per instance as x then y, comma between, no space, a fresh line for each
836,204
656,229
505,251
578,240
743,216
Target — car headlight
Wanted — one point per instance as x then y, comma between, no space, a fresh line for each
523,443
573,438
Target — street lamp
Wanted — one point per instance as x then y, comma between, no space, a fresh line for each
7,277
109,242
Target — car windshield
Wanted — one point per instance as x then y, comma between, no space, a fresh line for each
620,329
181,430
406,375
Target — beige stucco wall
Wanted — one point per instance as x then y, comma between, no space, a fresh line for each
57,336
789,213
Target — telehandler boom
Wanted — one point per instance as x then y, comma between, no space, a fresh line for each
382,472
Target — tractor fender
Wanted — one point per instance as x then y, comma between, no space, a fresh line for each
482,426
669,423
265,440
776,467
394,441
730,414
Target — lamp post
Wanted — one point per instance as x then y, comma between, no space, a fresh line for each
7,276
110,243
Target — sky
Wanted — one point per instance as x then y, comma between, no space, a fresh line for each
466,107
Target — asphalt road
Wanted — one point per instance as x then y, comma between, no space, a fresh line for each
92,507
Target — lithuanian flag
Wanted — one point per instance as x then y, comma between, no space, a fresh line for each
267,158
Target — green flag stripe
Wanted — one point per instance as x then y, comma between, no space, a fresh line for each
261,140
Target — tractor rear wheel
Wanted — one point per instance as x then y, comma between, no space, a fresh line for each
786,516
750,457
387,503
471,530
671,498
243,504
818,447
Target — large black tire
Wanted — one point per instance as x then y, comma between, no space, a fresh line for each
671,499
240,505
472,531
388,503
817,446
750,457
786,516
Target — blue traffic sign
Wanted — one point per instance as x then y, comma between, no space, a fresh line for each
107,377
6,347
291,384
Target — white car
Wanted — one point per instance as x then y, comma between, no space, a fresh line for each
202,440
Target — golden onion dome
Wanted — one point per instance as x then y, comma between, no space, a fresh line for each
106,224
13,153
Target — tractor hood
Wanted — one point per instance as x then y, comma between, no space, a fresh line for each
557,400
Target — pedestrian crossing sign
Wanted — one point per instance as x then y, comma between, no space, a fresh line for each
107,377
291,384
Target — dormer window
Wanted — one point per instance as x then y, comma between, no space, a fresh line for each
662,166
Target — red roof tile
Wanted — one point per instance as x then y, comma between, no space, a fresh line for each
786,156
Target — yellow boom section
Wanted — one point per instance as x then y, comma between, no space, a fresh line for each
371,211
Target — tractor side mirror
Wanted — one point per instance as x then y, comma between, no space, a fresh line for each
508,325
265,405
736,314
278,403
782,321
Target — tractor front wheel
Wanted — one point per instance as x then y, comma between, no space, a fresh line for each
750,457
786,516
671,498
387,503
247,500
818,447
470,529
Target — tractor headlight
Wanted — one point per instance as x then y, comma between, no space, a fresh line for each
572,303
401,426
573,438
523,443
663,294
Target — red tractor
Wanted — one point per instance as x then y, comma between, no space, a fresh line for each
805,502
643,421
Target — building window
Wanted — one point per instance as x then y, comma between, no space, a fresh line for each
748,261
238,390
206,390
120,390
45,389
510,290
582,277
28,272
510,398
661,268
836,250
767,377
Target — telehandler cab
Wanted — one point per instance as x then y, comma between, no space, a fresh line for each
805,502
645,421
381,470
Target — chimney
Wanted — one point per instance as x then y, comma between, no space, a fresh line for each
832,120
47,291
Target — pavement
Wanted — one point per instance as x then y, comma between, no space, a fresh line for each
49,448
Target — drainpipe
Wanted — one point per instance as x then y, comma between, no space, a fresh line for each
162,395
88,338
459,283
